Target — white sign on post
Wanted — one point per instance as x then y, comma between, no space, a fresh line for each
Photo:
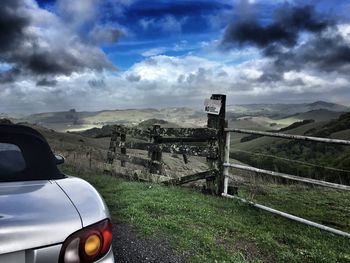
212,106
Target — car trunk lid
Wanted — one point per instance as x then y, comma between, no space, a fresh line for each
35,214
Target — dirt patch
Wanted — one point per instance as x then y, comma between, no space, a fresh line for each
249,249
130,247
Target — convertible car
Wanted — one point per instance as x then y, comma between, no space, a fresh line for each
46,216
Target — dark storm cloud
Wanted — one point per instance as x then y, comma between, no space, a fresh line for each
323,49
327,52
28,46
47,82
63,61
46,63
288,23
269,76
96,83
12,24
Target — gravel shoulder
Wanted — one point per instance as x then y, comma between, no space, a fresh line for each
129,246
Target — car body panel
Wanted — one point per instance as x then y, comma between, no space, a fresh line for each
108,258
35,214
43,255
14,257
86,199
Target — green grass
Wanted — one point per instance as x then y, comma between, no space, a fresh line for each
322,205
212,229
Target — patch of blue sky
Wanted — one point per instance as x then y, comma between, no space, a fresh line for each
49,5
5,67
124,60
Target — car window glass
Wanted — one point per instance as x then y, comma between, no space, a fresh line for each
11,159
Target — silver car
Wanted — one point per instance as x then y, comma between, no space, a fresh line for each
46,216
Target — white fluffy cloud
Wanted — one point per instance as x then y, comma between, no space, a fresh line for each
78,12
167,24
161,81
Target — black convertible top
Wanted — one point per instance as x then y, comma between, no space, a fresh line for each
40,162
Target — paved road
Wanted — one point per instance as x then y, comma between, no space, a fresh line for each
128,246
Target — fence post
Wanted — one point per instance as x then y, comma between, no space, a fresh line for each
90,158
155,153
218,122
122,145
112,147
226,160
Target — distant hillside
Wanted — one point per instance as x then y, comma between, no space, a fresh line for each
283,110
318,115
105,131
274,123
335,126
259,151
75,121
262,116
285,129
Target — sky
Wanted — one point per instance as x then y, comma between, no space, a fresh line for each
107,54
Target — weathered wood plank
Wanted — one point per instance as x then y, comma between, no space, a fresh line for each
133,132
188,132
139,145
177,148
193,150
170,132
183,139
193,177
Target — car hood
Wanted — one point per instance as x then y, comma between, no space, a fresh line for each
35,214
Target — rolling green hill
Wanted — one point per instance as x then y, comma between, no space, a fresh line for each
76,121
259,152
317,115
252,116
283,110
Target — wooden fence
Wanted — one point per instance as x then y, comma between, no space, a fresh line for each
206,142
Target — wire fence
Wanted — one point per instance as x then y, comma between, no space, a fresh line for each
253,189
293,161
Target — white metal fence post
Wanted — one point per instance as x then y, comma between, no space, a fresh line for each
227,160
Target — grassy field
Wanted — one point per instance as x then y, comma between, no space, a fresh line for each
322,205
212,229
